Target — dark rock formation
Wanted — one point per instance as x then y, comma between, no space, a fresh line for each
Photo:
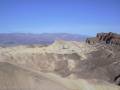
103,64
108,38
92,40
117,79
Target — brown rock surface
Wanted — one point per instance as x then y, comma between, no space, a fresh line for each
108,38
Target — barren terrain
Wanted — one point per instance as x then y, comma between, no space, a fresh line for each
63,65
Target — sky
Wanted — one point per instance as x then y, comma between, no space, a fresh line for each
86,17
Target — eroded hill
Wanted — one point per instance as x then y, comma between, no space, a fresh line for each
69,60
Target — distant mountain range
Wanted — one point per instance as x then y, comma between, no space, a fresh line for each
45,38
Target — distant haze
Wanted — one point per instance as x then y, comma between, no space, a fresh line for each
45,38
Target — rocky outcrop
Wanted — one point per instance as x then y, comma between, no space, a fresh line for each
107,38
92,40
117,80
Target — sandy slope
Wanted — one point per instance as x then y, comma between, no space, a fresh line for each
13,77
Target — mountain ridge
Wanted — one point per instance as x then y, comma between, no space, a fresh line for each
44,38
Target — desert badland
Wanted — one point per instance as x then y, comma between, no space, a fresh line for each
62,65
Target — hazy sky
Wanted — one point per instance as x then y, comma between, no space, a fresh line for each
54,16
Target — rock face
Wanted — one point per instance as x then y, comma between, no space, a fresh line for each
92,40
108,38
